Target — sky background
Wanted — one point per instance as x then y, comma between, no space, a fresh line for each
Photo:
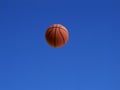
89,61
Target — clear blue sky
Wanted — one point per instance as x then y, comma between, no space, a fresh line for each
89,61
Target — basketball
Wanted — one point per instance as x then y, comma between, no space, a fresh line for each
57,35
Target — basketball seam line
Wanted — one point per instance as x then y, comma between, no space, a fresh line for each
63,29
55,38
59,28
49,33
62,36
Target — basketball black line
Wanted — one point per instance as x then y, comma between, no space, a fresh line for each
55,38
60,28
62,36
49,32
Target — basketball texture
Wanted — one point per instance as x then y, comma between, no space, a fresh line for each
57,35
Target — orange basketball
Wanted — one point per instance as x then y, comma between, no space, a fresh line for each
57,35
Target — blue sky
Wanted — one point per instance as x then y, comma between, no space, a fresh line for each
89,61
